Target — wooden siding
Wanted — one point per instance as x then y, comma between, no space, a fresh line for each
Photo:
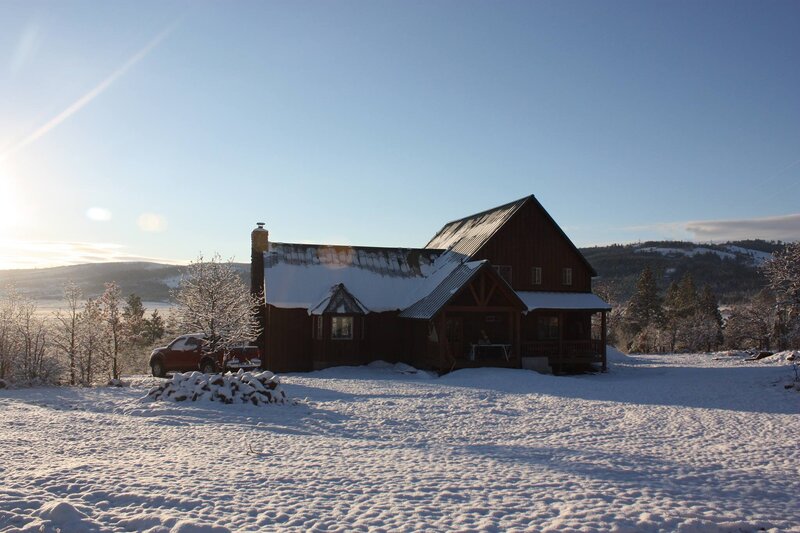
530,239
287,340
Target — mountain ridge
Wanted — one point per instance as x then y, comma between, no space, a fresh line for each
730,268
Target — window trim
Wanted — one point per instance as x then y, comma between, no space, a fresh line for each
566,276
536,276
318,328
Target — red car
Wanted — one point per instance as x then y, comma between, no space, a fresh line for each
188,352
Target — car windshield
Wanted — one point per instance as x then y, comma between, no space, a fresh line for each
182,344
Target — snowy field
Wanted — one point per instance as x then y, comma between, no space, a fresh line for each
659,443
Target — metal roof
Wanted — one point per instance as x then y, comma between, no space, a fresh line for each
467,235
563,300
400,262
427,307
306,276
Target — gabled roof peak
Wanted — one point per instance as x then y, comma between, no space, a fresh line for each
467,235
516,203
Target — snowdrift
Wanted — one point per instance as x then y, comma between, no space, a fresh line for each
258,388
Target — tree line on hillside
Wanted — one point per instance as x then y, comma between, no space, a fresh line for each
732,274
684,318
94,340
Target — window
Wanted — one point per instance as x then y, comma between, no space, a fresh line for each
504,271
566,276
547,327
186,344
536,275
341,327
317,334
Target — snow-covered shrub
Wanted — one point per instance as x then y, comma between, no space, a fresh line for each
257,388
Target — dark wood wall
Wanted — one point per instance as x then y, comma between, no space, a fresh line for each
290,342
531,239
287,340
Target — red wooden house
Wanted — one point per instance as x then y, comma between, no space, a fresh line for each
504,287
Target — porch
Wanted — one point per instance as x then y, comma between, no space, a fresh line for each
564,355
564,340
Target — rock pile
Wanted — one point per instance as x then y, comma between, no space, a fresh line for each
257,388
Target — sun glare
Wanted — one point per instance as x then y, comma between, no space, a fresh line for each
11,208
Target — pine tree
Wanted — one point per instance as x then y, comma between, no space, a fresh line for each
133,318
687,299
154,327
645,305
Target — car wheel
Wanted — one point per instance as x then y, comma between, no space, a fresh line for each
158,369
208,367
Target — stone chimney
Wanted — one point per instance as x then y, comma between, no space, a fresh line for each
259,243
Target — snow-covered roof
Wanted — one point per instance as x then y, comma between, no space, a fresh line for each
562,300
429,305
380,279
467,235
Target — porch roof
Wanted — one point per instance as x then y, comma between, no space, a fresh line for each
563,300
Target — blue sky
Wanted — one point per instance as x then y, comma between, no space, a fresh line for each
164,129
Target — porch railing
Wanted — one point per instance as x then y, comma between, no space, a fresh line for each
585,350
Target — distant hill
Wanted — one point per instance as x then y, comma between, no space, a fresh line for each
730,268
151,281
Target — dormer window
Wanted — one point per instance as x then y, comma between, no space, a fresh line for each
566,276
536,276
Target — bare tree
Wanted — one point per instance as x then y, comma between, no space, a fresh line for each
110,302
751,324
9,302
34,363
783,273
66,328
212,299
91,335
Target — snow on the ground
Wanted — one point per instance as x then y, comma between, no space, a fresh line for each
695,442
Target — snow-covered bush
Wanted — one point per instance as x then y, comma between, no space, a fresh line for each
243,387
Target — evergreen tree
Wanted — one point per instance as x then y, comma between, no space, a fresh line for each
155,328
134,322
645,306
687,302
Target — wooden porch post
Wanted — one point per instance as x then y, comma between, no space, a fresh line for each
560,341
603,338
517,335
442,340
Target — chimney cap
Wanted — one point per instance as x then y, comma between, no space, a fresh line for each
260,225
